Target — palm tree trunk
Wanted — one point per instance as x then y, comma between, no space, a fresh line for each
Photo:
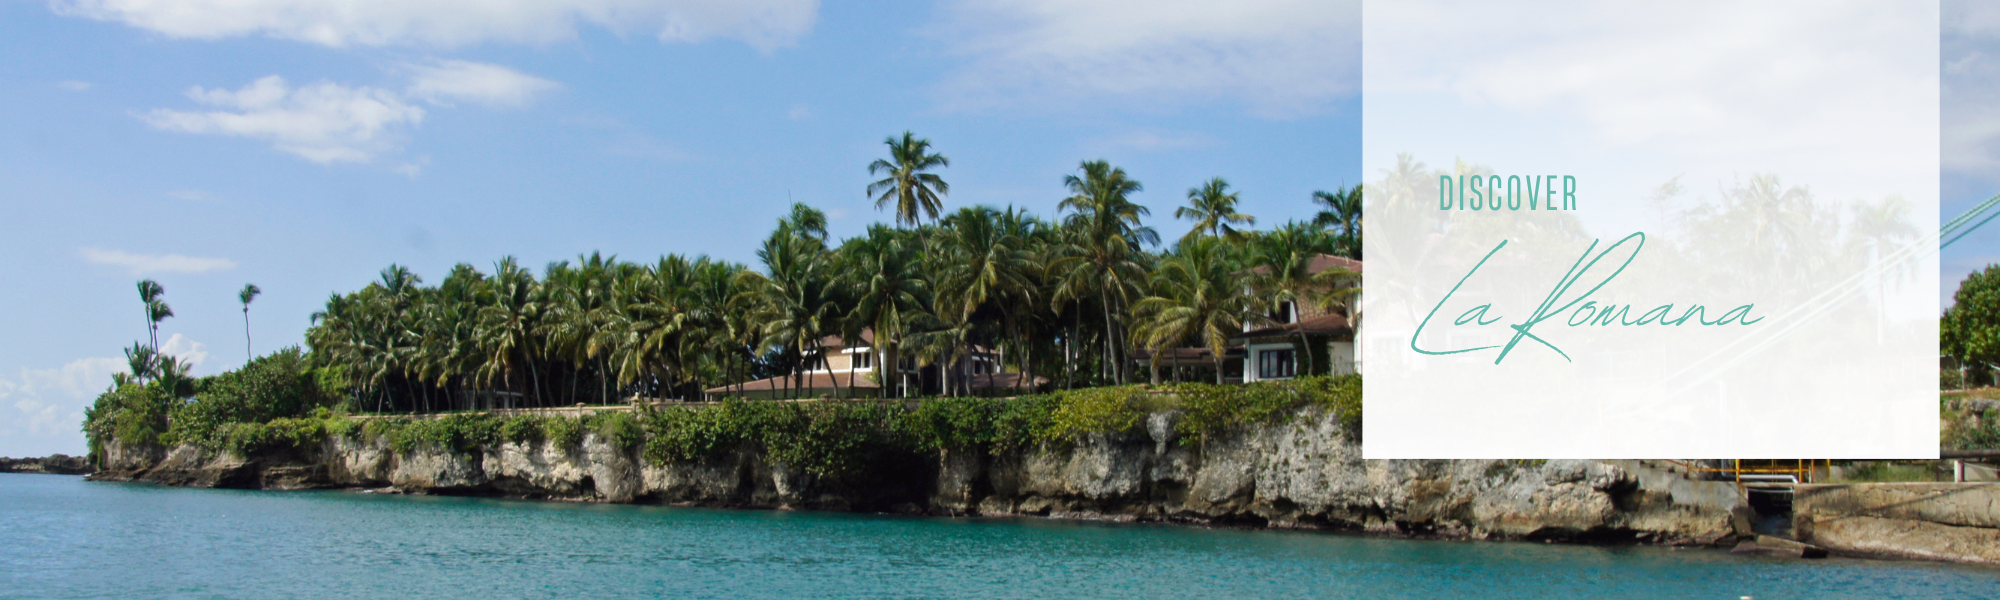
534,379
1305,348
247,354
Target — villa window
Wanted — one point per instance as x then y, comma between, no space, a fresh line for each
1276,364
1285,312
863,360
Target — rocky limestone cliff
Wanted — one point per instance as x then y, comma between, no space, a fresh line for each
54,464
1306,473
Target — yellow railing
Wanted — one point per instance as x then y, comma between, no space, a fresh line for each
1801,470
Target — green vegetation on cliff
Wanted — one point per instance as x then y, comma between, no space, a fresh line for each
825,437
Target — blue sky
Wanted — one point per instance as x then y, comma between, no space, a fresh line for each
148,139
137,141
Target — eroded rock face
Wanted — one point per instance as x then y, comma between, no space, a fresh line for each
1302,473
1937,521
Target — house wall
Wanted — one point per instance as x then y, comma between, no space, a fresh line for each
1340,359
842,359
1326,358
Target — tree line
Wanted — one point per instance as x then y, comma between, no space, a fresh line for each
1069,298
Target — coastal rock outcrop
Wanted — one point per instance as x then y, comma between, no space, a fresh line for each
54,464
1302,472
1937,521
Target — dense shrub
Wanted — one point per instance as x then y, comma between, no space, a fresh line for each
1951,379
132,414
1108,410
684,433
522,429
621,429
272,437
276,386
955,423
832,438
563,432
1968,429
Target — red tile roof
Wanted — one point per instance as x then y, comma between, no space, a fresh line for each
1321,263
811,381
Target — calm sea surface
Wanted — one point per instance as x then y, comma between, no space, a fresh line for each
62,537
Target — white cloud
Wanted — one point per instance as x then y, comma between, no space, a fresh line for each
41,410
187,351
74,85
143,264
1278,57
445,81
1152,140
332,123
323,122
192,196
763,24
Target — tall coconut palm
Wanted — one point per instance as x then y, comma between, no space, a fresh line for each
1212,207
1103,254
149,295
1341,213
797,300
984,265
889,295
1283,258
248,293
1196,295
907,185
507,326
804,221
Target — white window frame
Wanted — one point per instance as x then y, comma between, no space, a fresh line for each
1253,357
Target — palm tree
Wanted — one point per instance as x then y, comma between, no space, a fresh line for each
1341,212
248,293
986,264
149,291
507,326
1284,258
156,309
1197,294
805,221
797,301
143,362
173,379
1103,255
907,185
1212,207
889,295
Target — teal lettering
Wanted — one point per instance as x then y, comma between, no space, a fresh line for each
1440,304
1738,313
1473,316
1657,314
1692,310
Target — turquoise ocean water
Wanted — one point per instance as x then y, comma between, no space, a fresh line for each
62,537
